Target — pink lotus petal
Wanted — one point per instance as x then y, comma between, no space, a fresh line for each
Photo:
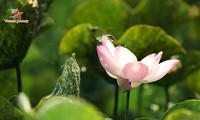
121,64
122,57
108,44
124,83
135,71
151,74
158,56
152,60
106,52
106,60
135,84
111,75
160,71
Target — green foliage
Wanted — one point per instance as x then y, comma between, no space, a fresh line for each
63,108
108,14
48,41
69,81
168,14
183,114
193,81
187,110
150,101
143,40
22,1
87,20
133,3
16,38
145,118
82,40
8,85
193,2
79,39
8,111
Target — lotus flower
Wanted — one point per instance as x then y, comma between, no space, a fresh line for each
121,64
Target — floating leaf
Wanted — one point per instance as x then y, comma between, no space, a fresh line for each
189,109
63,108
143,40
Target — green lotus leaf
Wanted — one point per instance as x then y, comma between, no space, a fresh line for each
107,14
8,111
144,39
183,114
80,40
63,108
168,14
16,37
189,110
145,118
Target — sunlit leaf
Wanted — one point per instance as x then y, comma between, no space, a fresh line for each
143,40
80,40
183,114
189,110
63,108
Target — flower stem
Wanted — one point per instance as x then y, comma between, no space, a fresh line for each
116,101
139,100
18,73
166,89
127,105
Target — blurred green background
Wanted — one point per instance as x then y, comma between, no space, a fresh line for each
72,27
